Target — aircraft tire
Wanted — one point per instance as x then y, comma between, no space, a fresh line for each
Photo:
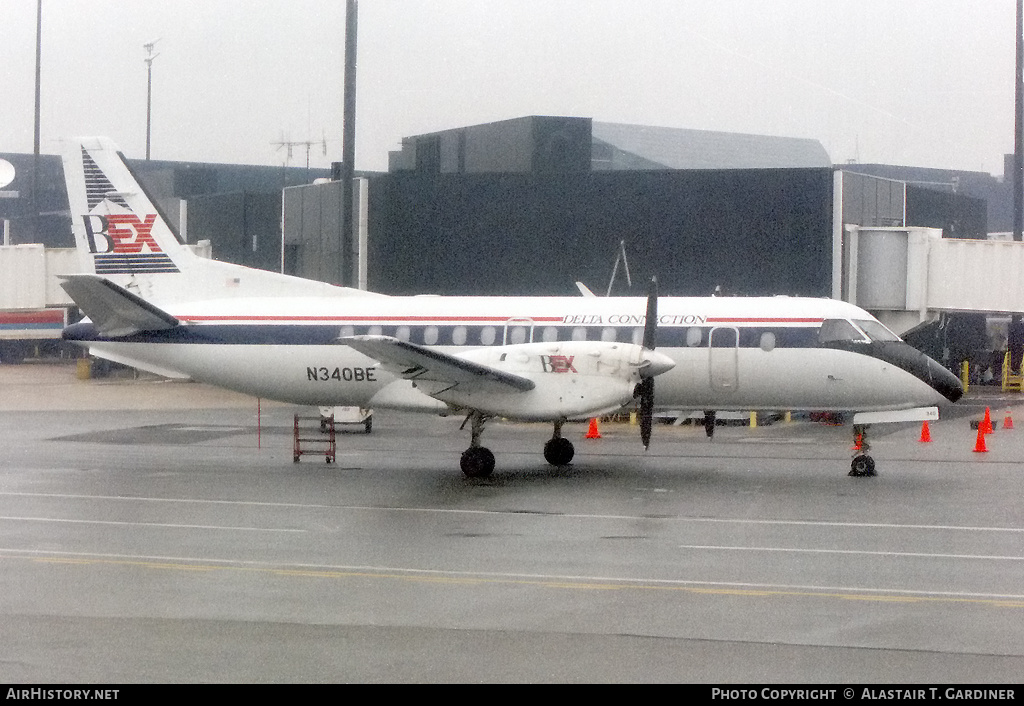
559,451
477,462
862,466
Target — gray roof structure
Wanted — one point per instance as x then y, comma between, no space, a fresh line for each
617,146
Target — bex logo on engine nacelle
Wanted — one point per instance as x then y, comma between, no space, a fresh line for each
557,363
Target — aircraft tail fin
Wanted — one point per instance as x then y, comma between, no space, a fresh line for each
122,234
115,222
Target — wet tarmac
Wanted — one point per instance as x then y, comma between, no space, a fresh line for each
160,532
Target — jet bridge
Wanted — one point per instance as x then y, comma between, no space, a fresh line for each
907,276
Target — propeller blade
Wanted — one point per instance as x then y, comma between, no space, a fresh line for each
651,322
646,386
646,389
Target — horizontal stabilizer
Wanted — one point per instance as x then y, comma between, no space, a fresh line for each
414,362
114,310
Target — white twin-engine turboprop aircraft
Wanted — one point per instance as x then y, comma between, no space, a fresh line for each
154,305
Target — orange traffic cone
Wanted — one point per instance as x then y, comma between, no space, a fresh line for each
986,423
592,432
1007,421
979,446
925,433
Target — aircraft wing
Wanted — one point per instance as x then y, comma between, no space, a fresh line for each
414,362
114,310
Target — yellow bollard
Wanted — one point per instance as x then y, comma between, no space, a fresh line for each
84,369
965,369
753,419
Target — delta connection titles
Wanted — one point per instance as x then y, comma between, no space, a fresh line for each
866,694
632,319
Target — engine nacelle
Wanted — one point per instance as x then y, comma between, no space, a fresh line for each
572,379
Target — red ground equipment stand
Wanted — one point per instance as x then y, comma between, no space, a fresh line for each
318,439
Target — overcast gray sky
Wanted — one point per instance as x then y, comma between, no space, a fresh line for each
916,82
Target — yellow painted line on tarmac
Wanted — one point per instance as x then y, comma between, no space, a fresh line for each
175,567
887,599
61,560
553,582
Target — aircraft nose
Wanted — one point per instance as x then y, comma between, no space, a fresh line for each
944,382
654,363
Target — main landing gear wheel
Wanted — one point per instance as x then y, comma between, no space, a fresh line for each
477,462
558,451
862,465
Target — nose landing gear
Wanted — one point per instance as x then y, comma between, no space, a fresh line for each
862,464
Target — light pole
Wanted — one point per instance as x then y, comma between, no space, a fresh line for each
35,139
350,259
149,90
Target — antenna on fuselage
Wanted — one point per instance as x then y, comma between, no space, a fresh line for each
620,256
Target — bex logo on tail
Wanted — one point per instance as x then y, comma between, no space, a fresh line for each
123,243
120,233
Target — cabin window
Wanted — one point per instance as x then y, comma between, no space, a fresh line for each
549,334
375,330
487,335
517,334
839,330
403,333
459,335
767,341
608,334
638,336
579,334
430,335
347,331
694,336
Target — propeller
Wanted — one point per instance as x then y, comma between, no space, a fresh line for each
645,390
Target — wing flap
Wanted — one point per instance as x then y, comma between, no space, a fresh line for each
114,310
414,362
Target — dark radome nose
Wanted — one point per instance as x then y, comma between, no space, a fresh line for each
920,366
945,383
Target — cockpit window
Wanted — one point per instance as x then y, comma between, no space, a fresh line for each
876,331
839,330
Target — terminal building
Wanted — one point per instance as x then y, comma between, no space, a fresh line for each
534,204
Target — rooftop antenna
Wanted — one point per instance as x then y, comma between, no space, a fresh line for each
625,263
308,144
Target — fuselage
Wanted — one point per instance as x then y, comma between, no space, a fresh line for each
729,352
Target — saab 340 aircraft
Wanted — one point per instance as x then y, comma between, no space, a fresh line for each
154,305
